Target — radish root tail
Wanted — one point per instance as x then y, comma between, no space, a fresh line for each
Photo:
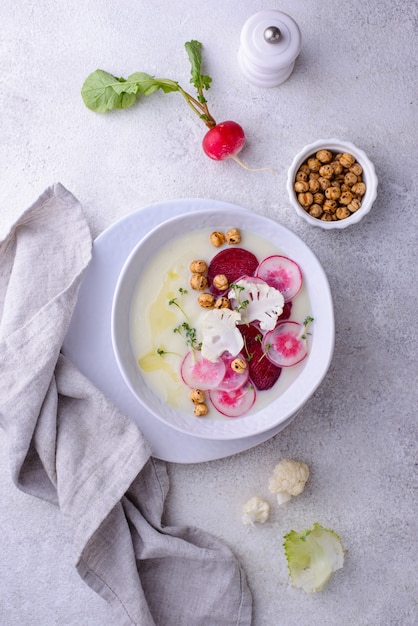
251,169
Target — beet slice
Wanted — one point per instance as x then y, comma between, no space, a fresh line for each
263,373
234,263
287,311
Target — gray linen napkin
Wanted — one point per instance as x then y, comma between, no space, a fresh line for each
70,446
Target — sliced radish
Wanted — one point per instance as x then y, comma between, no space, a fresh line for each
284,345
233,403
281,273
199,373
232,380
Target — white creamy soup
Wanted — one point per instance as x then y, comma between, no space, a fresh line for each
158,349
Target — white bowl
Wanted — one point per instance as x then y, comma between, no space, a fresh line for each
313,368
369,177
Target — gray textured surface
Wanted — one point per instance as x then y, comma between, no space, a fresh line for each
356,78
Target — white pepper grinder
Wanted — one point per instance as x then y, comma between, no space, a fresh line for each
270,42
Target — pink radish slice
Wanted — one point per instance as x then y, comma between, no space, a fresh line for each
281,273
233,403
284,345
199,373
232,380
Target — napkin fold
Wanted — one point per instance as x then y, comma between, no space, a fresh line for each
69,445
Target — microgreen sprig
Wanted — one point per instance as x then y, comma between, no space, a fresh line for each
174,301
189,333
185,329
161,352
267,347
249,355
242,304
308,320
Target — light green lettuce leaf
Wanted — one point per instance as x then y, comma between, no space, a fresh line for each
312,556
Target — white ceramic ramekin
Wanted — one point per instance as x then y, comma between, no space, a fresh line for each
369,178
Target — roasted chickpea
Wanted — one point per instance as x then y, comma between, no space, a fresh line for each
305,168
217,239
301,186
354,205
330,206
206,300
342,212
199,282
325,156
314,185
350,179
326,171
327,217
324,183
220,281
301,176
318,198
197,396
305,199
201,409
332,193
198,267
233,236
347,160
338,168
239,365
314,164
315,210
346,197
359,189
356,169
222,303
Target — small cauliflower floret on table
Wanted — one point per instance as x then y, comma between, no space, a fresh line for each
255,510
288,479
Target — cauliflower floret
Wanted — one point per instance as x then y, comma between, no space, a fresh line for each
220,334
255,510
288,479
262,302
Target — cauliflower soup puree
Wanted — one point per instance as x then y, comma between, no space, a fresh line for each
164,300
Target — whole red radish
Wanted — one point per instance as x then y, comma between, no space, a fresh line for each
223,141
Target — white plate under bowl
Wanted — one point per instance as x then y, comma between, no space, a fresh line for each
88,342
321,308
